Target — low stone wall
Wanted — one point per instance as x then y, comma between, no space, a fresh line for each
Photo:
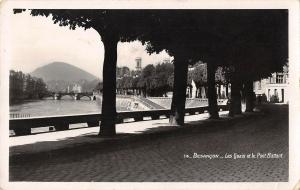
23,126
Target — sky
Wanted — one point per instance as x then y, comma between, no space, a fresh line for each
37,41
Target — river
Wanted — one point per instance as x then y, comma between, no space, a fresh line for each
51,107
69,106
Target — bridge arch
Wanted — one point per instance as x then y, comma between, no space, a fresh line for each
78,96
66,95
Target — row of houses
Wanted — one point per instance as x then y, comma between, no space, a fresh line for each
271,89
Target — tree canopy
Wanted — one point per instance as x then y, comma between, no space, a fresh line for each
153,79
125,25
243,38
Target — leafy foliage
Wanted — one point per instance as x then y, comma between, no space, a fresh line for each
245,39
99,87
274,99
199,74
24,86
125,25
153,79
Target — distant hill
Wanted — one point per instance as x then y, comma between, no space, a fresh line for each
60,76
62,71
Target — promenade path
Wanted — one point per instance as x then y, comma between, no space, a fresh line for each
152,151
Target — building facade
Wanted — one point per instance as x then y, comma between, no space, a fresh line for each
77,88
274,88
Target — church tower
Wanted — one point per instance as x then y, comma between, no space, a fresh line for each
138,61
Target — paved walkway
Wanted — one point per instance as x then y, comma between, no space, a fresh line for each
202,151
44,142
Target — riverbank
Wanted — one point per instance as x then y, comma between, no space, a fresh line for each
21,101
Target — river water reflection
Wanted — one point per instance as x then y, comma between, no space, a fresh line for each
58,107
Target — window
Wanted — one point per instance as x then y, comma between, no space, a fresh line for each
279,78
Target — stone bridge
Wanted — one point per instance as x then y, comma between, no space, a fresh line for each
74,95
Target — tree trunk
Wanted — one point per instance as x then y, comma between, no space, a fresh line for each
200,92
249,95
109,113
219,91
235,105
212,96
145,92
179,91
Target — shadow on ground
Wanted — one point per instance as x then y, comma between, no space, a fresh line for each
92,142
259,131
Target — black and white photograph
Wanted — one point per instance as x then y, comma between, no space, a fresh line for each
178,96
